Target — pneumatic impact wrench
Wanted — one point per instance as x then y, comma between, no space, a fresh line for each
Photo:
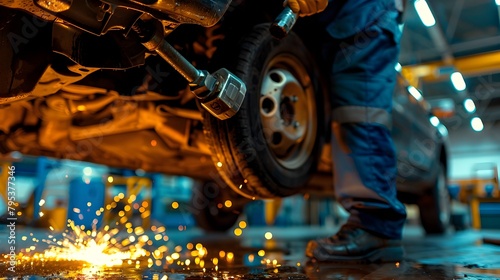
221,93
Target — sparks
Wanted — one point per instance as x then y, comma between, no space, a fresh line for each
117,242
95,248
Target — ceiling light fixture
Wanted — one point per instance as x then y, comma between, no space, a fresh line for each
443,130
434,121
424,12
469,105
414,92
398,66
477,124
458,81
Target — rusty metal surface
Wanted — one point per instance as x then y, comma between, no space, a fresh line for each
29,6
204,12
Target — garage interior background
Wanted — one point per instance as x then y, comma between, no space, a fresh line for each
449,52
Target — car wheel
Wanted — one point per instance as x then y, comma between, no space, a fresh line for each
272,146
435,206
215,209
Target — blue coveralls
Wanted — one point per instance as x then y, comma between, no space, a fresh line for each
362,48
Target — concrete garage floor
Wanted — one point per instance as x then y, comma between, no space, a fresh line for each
455,255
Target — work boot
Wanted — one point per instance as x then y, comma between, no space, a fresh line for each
353,244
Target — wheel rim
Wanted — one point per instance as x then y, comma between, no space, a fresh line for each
287,110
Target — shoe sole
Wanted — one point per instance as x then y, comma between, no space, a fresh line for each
388,254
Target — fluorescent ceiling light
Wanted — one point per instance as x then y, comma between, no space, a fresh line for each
424,12
414,92
469,105
458,81
443,130
497,2
434,121
477,124
398,66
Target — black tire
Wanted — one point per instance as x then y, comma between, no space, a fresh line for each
272,146
209,210
435,206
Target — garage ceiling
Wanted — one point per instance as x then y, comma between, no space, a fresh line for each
465,39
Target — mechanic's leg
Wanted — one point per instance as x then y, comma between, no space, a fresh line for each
364,156
365,170
364,178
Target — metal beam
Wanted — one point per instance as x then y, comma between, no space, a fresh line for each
454,18
490,116
473,46
476,96
441,43
469,66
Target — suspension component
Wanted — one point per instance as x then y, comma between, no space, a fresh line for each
220,93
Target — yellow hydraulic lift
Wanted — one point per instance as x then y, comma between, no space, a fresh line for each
134,186
271,210
472,65
473,191
4,176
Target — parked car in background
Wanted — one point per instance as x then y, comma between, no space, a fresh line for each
84,87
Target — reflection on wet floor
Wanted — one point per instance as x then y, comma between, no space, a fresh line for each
460,255
403,270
